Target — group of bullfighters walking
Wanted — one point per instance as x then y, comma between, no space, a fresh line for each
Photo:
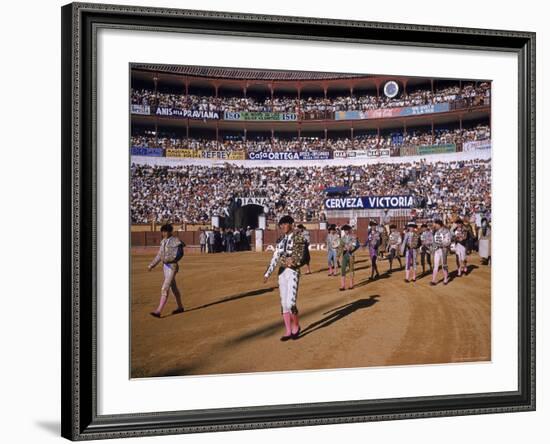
432,242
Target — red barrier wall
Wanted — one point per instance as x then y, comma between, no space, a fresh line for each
191,238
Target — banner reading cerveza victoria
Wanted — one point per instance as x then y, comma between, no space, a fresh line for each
369,202
200,154
392,112
257,115
301,155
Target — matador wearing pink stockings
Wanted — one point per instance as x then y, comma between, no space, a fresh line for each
170,252
442,241
289,256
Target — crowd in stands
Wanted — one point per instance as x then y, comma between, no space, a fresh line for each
194,193
359,142
310,107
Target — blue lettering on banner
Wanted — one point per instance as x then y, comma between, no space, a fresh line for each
145,151
287,155
381,113
426,109
369,202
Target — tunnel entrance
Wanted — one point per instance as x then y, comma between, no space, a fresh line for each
247,216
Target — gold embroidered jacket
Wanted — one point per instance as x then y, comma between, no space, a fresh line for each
170,251
291,246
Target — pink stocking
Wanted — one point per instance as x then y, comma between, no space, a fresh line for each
162,303
295,323
286,319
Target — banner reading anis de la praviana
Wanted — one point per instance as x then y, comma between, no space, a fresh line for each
187,113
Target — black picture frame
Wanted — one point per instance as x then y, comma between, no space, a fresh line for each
80,22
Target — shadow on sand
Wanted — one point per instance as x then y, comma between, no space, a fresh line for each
339,313
234,297
454,274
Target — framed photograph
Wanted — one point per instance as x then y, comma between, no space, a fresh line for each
275,221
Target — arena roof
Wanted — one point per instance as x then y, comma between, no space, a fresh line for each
244,73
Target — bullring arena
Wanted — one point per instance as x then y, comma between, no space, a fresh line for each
229,151
237,329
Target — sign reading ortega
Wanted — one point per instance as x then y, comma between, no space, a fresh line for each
369,202
289,155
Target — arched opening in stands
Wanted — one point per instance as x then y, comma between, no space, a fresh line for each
247,216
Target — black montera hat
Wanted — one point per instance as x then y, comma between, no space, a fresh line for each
424,226
331,227
346,227
372,223
301,227
167,227
286,220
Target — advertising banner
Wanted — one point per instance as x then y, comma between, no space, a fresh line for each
187,113
141,109
301,155
408,151
392,112
187,153
425,150
381,113
224,155
436,149
369,202
477,145
426,109
251,115
262,201
144,151
384,152
361,115
201,154
360,154
340,154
